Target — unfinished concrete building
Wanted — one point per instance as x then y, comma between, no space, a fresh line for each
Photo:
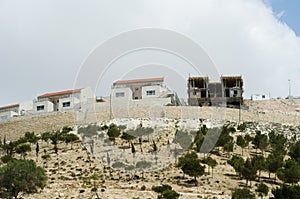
202,92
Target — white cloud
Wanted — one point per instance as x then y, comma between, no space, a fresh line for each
42,45
280,14
242,37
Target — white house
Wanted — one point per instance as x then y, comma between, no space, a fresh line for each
63,100
15,110
256,97
149,90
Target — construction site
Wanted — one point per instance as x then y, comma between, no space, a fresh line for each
202,92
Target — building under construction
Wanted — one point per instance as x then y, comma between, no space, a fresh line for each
202,92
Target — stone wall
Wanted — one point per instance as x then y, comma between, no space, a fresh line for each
39,124
55,121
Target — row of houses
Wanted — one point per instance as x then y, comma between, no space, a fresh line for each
48,102
137,90
201,92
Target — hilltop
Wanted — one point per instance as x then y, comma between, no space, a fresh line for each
117,167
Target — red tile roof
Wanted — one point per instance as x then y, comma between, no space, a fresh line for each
66,92
138,80
10,106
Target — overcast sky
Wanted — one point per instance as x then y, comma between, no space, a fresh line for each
44,43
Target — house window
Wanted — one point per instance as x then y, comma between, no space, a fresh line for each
40,108
120,94
66,104
150,92
263,96
194,93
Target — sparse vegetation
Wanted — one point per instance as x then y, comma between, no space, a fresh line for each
270,152
242,194
165,192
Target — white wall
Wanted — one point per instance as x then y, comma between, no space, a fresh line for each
73,101
86,94
157,90
25,106
257,97
127,94
48,107
7,115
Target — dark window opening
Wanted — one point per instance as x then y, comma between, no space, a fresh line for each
121,94
40,108
66,104
203,93
150,92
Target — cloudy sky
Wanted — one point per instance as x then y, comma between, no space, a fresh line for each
43,44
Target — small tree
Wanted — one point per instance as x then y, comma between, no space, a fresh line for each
225,136
94,180
228,147
295,151
113,132
4,140
241,142
259,163
55,138
211,163
132,149
260,141
249,171
154,147
23,149
273,163
31,138
248,139
262,190
127,136
190,165
237,163
165,192
242,127
278,143
37,149
286,192
70,138
46,136
21,176
290,173
242,194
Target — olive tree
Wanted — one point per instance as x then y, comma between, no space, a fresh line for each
21,176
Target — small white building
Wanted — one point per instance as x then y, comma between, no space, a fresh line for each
15,110
257,97
63,100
